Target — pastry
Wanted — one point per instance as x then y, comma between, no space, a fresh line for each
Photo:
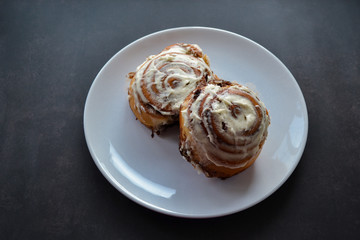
223,127
163,81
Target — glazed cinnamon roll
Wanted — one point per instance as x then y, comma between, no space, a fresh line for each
163,81
223,127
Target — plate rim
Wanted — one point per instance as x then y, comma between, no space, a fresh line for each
155,207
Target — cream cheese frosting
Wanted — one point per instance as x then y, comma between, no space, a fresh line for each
164,81
228,124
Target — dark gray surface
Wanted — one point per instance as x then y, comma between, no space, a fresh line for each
51,51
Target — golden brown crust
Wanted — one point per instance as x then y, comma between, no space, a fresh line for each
149,119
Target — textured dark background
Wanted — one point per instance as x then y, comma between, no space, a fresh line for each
51,51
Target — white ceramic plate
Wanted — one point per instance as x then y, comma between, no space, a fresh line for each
151,171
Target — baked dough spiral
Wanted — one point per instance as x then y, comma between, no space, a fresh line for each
163,81
223,127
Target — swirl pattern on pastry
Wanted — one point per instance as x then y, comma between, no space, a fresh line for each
223,127
163,81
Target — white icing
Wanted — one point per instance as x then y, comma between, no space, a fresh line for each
231,124
159,70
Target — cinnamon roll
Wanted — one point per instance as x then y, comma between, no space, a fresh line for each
223,127
163,81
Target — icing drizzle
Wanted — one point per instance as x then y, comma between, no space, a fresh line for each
228,123
163,81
